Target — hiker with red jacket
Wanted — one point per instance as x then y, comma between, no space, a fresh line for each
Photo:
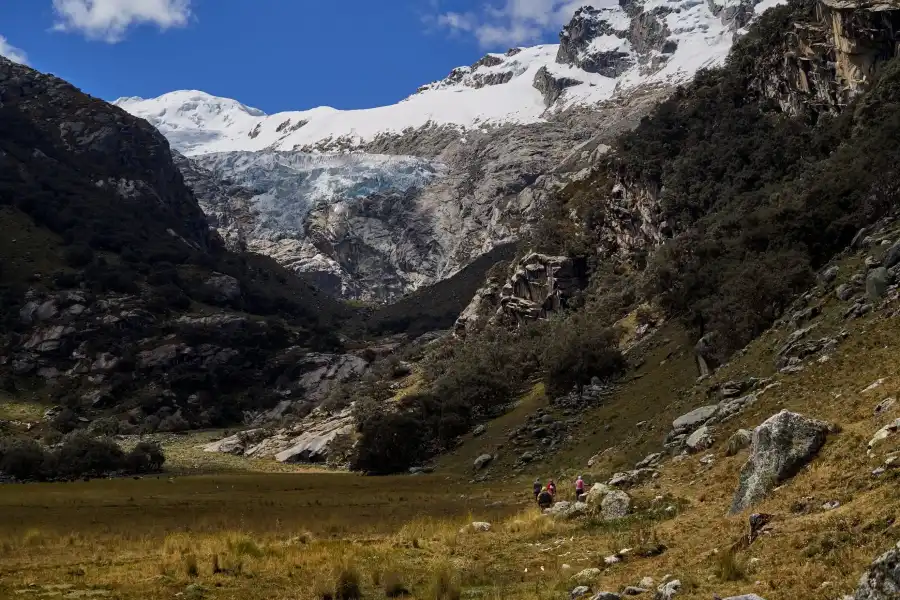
551,487
579,487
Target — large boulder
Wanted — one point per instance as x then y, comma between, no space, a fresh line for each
882,580
615,505
689,422
700,440
482,461
877,282
780,447
596,494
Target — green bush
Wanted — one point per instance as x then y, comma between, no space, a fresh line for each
579,350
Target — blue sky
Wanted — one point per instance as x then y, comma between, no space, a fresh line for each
272,54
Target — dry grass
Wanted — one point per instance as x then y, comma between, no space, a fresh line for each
254,536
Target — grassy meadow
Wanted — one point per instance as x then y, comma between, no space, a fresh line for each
220,527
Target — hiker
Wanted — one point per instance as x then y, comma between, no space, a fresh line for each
551,487
545,499
537,489
579,487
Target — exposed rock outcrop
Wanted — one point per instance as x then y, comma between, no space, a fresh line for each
882,580
781,446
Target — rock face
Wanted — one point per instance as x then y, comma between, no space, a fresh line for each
781,446
537,287
882,580
153,320
312,440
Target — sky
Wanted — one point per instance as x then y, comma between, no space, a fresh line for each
274,55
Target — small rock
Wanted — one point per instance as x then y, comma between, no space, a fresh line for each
479,526
480,430
829,274
647,582
482,461
611,560
588,575
884,433
885,405
878,471
739,440
581,590
633,591
844,292
607,596
667,591
831,505
745,597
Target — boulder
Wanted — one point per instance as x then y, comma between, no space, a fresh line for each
567,510
882,580
482,461
877,282
615,505
596,494
476,527
884,433
650,461
630,478
581,590
700,440
687,423
739,440
829,274
844,292
588,575
780,447
225,287
633,590
479,430
667,590
892,256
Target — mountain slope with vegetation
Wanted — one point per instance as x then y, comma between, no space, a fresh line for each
118,299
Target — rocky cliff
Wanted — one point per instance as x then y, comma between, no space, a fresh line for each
119,300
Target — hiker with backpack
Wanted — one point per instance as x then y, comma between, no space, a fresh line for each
579,487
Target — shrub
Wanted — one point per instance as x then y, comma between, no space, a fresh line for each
146,457
393,586
347,584
23,459
80,454
578,351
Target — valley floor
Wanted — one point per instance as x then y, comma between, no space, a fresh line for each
233,535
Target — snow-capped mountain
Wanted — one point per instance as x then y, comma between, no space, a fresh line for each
472,152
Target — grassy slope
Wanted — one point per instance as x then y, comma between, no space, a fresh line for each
130,537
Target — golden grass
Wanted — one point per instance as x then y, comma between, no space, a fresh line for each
269,535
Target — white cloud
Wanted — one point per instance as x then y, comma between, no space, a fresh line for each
11,52
109,20
513,22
